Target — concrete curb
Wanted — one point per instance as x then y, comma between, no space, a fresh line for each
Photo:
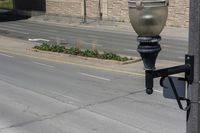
24,48
93,66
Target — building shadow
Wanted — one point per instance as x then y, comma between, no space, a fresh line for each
23,9
6,16
30,5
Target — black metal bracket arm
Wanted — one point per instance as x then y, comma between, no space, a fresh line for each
187,68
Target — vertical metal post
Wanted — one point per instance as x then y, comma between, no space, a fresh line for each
193,123
85,12
100,12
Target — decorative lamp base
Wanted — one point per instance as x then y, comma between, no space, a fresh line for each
149,49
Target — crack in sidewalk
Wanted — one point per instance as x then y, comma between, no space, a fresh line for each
54,115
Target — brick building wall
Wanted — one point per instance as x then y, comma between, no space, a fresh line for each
64,7
116,10
178,13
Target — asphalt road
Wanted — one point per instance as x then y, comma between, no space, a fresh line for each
104,39
38,96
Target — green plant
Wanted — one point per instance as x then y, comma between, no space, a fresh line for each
110,55
51,47
90,53
125,59
44,47
76,51
57,48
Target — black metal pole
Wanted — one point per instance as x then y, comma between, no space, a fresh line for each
193,123
100,12
85,12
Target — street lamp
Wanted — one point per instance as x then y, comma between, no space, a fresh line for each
148,18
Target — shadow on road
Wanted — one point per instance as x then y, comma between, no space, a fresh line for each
6,16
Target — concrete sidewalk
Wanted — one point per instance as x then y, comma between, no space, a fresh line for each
170,32
25,48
